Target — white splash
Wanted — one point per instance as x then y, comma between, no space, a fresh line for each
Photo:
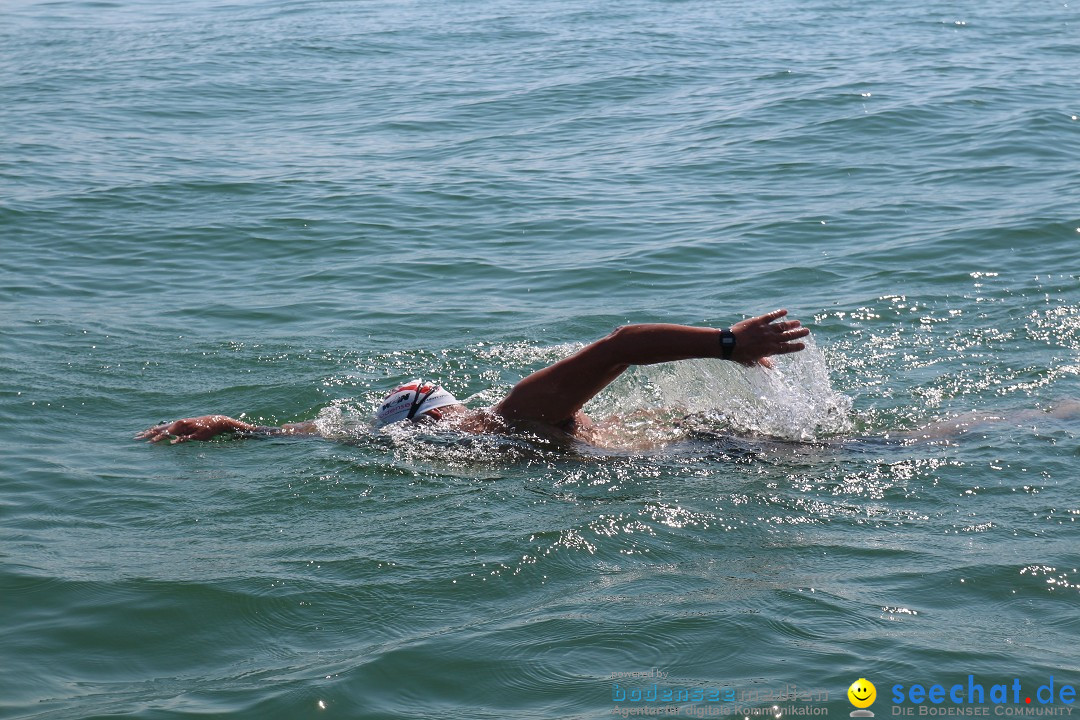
795,400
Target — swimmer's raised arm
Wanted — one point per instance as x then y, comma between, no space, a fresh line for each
556,393
206,427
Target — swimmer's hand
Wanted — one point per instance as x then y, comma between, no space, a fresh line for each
204,427
758,338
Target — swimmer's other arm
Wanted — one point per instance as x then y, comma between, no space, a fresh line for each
206,427
556,393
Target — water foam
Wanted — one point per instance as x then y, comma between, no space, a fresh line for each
794,400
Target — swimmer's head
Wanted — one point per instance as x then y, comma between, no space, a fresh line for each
413,401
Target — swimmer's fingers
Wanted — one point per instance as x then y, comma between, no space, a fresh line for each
784,326
794,334
163,431
158,434
760,337
194,428
147,432
151,434
769,317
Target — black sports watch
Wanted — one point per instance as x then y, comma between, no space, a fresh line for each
727,343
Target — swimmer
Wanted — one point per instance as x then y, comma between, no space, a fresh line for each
550,399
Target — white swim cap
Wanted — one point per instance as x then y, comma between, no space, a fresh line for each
412,400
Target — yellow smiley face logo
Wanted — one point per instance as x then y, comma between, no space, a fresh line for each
862,693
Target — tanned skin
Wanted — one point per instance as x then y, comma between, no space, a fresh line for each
553,397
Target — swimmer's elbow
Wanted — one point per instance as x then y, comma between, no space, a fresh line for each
616,342
618,336
620,347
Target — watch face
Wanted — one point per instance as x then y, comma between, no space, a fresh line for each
727,343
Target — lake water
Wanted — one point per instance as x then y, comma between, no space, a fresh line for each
282,210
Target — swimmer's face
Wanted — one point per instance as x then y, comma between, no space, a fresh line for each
439,413
430,416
